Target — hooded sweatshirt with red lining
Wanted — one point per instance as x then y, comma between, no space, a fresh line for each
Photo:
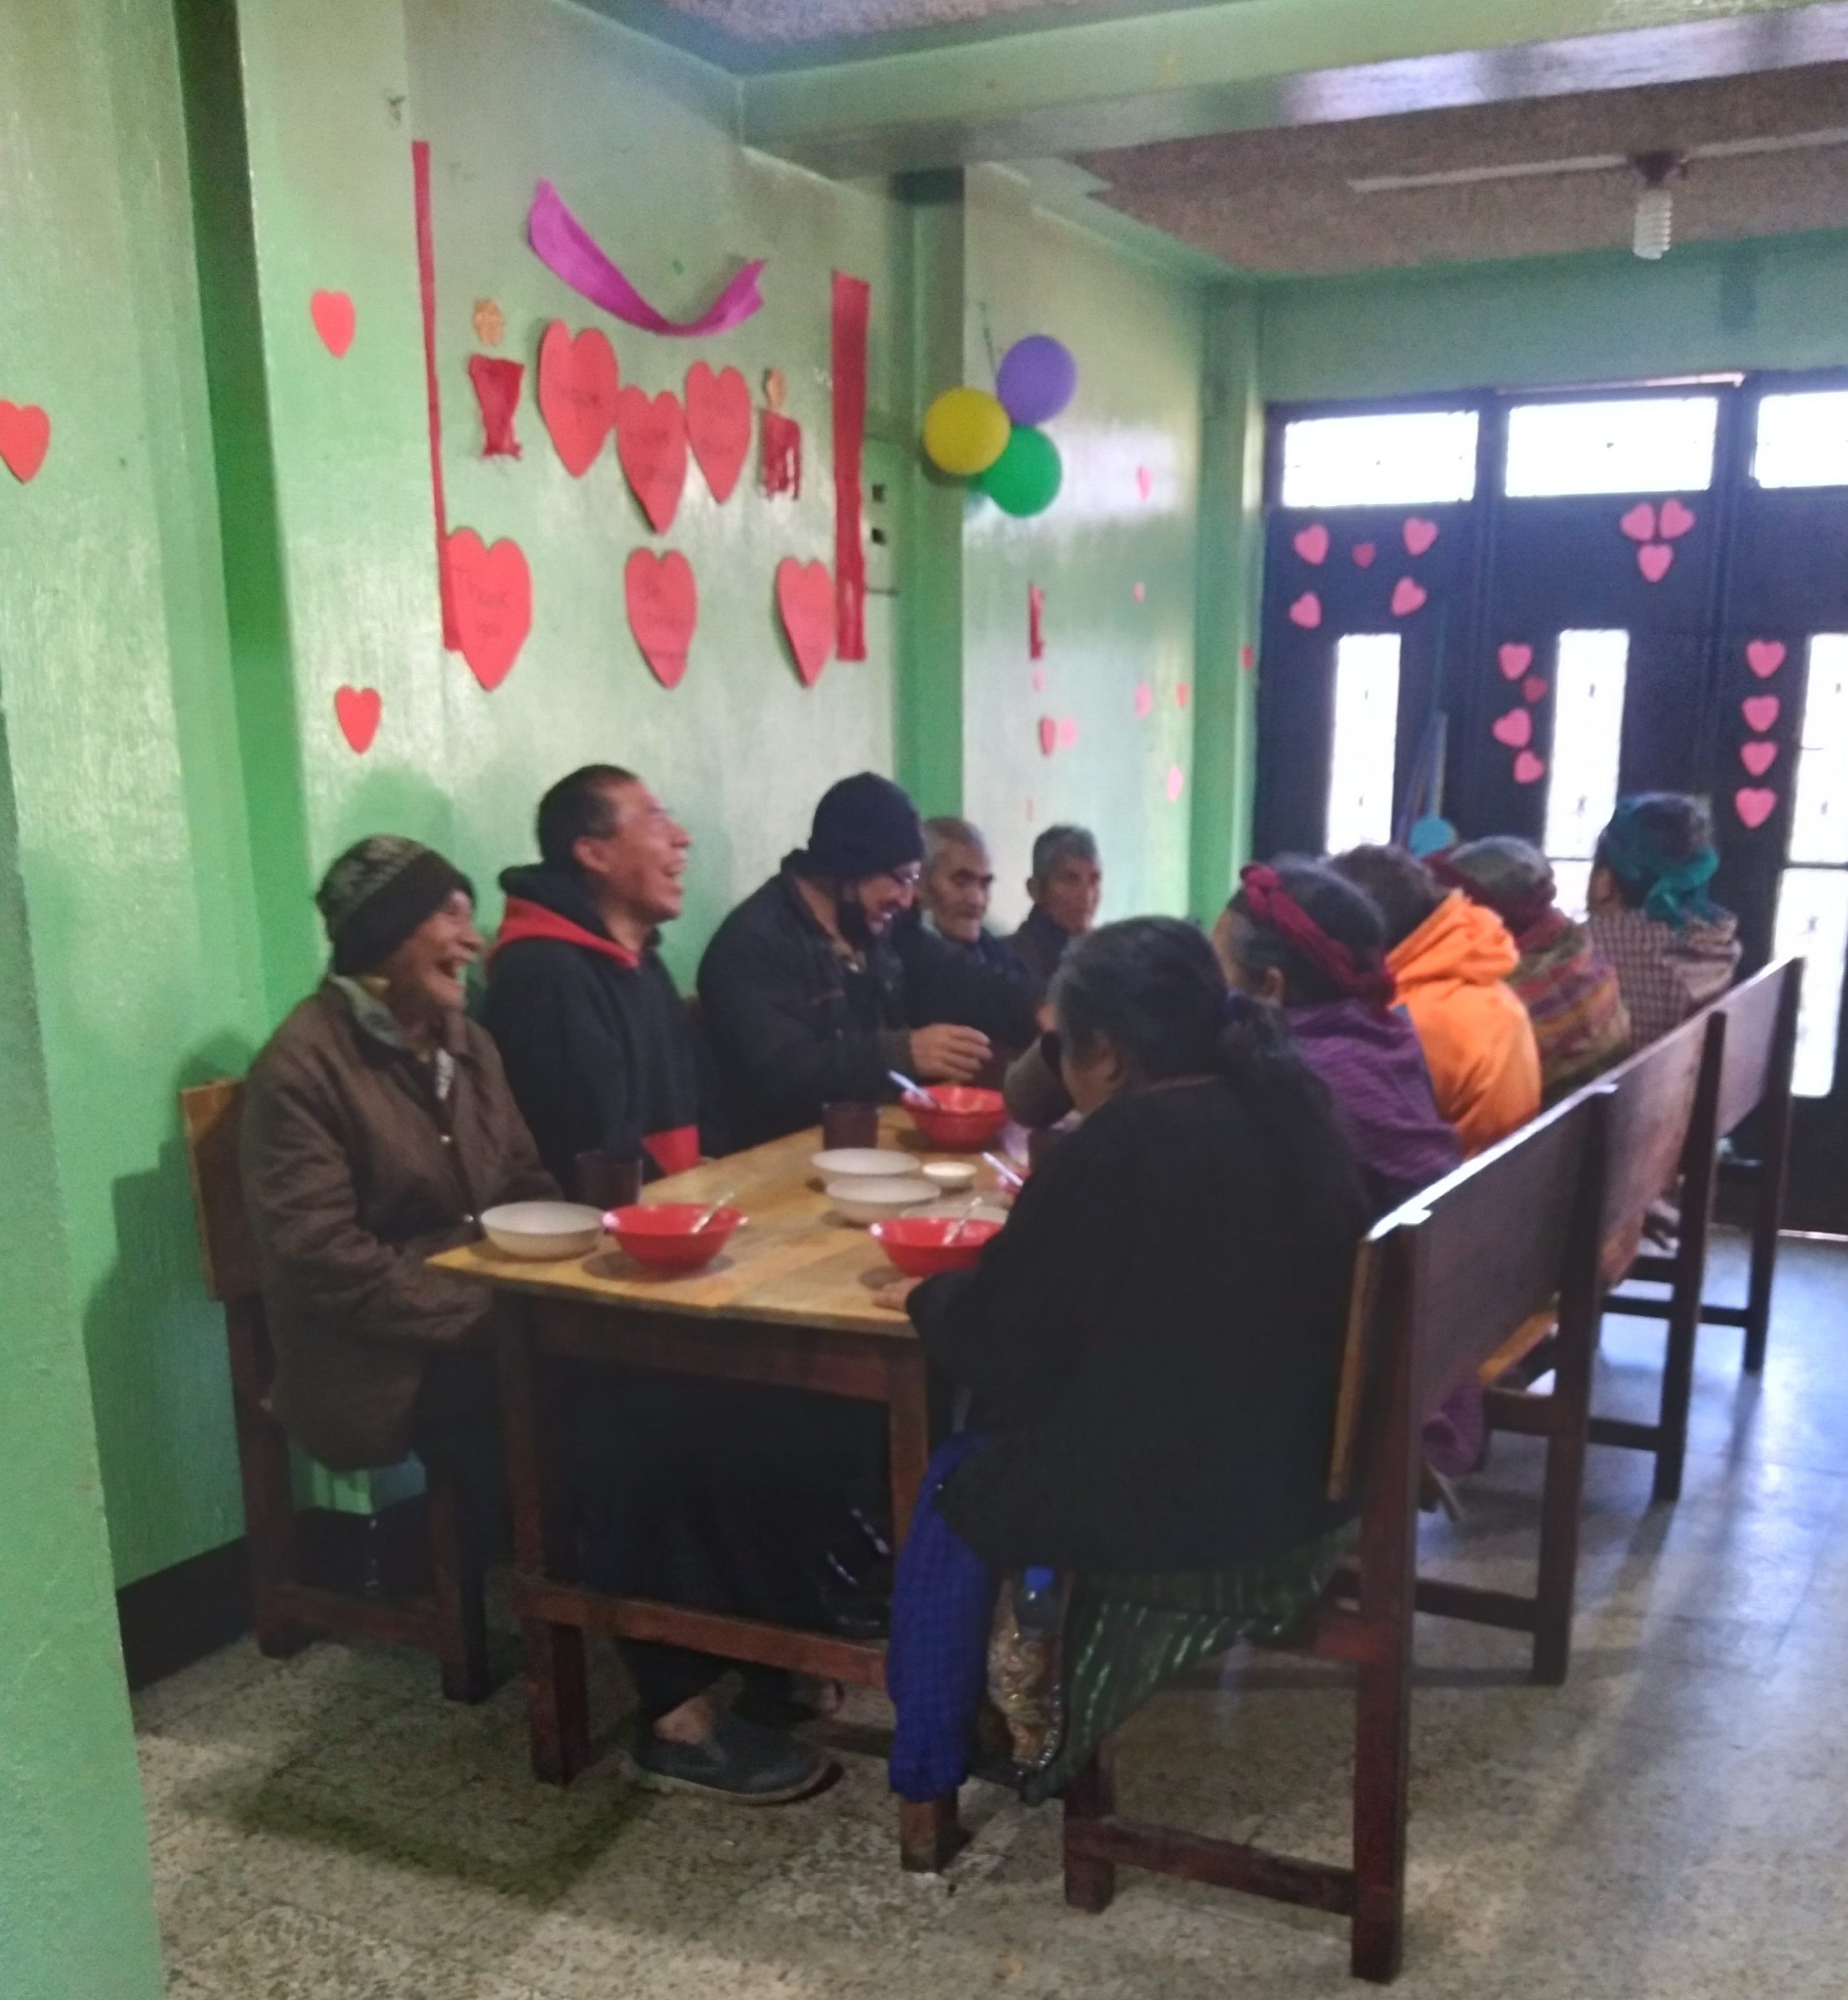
598,1045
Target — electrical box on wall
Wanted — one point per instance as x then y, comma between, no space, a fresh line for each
884,466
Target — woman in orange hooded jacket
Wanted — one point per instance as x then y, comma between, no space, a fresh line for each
1450,958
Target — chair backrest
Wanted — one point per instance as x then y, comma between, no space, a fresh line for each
210,1113
1760,1032
1651,1106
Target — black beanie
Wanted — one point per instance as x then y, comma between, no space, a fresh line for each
377,894
864,825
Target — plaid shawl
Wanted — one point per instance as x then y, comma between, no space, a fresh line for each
1666,974
1571,994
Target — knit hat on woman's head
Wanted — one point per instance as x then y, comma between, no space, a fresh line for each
377,894
865,826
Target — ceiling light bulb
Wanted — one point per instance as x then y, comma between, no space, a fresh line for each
1654,223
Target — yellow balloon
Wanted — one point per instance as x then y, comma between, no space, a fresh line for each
965,430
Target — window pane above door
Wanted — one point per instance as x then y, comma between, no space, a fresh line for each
1640,444
1365,752
1802,439
1381,460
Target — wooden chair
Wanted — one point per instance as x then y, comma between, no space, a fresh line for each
1438,1287
290,1611
1756,1027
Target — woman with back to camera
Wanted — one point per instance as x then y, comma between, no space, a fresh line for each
1152,1343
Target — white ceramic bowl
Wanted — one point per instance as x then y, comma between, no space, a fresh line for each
543,1231
865,1200
949,1175
873,1163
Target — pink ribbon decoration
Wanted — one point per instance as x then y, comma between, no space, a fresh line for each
566,247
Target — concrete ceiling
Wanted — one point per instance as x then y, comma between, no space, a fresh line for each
1281,200
820,20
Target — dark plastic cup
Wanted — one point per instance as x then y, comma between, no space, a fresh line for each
608,1180
845,1125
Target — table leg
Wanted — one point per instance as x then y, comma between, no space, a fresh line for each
557,1705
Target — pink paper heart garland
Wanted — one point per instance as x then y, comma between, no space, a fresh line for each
1528,769
1514,661
1307,611
1639,523
1673,520
1754,804
1764,657
1515,729
1653,559
1364,554
1419,534
1409,596
1534,689
1311,543
1760,711
1758,757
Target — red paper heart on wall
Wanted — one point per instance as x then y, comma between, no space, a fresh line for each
1758,757
650,440
1183,694
1408,596
1049,735
1534,689
578,386
1763,656
664,607
1177,779
1145,481
805,603
1515,729
25,437
1514,661
1760,711
490,597
1754,803
334,318
1528,769
1311,543
1068,732
1307,611
1419,534
357,710
1673,520
1639,523
718,426
1364,554
1654,559
1144,697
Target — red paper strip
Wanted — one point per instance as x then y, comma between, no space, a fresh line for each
1036,634
426,287
852,301
497,390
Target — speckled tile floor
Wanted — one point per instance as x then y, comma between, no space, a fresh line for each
1668,1826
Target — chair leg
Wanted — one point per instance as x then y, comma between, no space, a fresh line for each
1382,1774
1765,1216
1090,1883
1561,1498
457,1583
929,1834
267,1478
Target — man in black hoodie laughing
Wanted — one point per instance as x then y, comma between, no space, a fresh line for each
596,1041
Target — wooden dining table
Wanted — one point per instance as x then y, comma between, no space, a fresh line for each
788,1304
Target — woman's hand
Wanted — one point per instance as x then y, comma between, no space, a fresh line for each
893,1295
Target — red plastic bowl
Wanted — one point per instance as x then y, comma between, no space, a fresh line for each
660,1235
916,1243
963,1119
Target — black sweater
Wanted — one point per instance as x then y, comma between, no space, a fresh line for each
1154,1341
795,1026
598,1044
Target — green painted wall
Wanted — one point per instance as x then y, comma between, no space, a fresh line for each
1138,337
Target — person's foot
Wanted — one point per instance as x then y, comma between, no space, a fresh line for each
736,1760
788,1703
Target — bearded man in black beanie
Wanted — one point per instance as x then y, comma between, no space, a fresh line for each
808,999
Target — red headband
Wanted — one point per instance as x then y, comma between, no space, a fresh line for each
1270,902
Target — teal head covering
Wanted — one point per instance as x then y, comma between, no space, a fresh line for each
1673,886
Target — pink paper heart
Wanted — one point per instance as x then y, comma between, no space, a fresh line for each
1311,543
1049,735
1534,689
1364,554
1755,803
1144,697
1145,480
1760,711
1139,593
1068,732
805,604
1764,657
1176,778
1039,681
663,602
1758,757
332,313
1673,521
357,710
1307,611
1639,523
1515,729
1653,559
1182,693
25,438
1514,661
1418,534
1408,596
490,592
1248,657
1528,769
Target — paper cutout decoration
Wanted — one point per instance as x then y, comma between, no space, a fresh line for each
567,248
1307,611
1037,680
577,392
805,603
489,322
1528,769
1036,615
357,711
1248,657
663,603
1068,732
1311,543
491,597
1419,534
1036,379
965,430
651,441
1138,592
1763,656
1754,804
1673,520
1513,660
1654,559
1364,554
851,304
1049,735
25,438
1758,757
334,318
1177,779
426,294
1145,481
718,425
497,393
1144,697
1760,711
1515,729
1183,694
1639,523
779,441
1534,689
1409,596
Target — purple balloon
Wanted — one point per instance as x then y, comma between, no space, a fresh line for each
1037,378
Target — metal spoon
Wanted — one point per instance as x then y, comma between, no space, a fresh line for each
967,1217
711,1213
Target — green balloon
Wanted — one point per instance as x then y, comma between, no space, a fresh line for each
1025,478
